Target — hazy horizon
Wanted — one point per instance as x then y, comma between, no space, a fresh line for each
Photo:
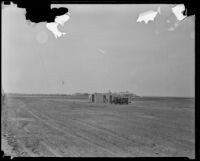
104,49
95,92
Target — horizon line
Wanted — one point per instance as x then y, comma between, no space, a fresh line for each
93,92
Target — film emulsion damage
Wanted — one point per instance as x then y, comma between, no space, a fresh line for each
53,18
179,11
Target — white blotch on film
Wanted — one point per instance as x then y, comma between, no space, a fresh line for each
148,15
53,26
178,11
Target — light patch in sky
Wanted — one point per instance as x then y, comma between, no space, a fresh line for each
178,11
42,37
53,26
168,21
102,51
192,35
171,28
174,26
148,15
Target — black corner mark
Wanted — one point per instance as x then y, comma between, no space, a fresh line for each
42,12
4,157
190,8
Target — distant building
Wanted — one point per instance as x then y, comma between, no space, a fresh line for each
100,98
103,98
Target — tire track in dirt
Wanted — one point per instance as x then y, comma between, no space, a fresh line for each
160,128
29,152
81,130
23,107
119,114
150,144
124,141
79,137
119,140
154,120
49,124
51,150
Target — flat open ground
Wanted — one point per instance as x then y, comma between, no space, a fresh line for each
53,126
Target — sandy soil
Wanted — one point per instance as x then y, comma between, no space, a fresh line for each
51,127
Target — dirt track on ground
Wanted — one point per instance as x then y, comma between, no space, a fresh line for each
52,127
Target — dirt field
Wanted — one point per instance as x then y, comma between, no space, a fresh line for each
39,126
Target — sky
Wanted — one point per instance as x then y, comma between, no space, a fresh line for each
104,49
